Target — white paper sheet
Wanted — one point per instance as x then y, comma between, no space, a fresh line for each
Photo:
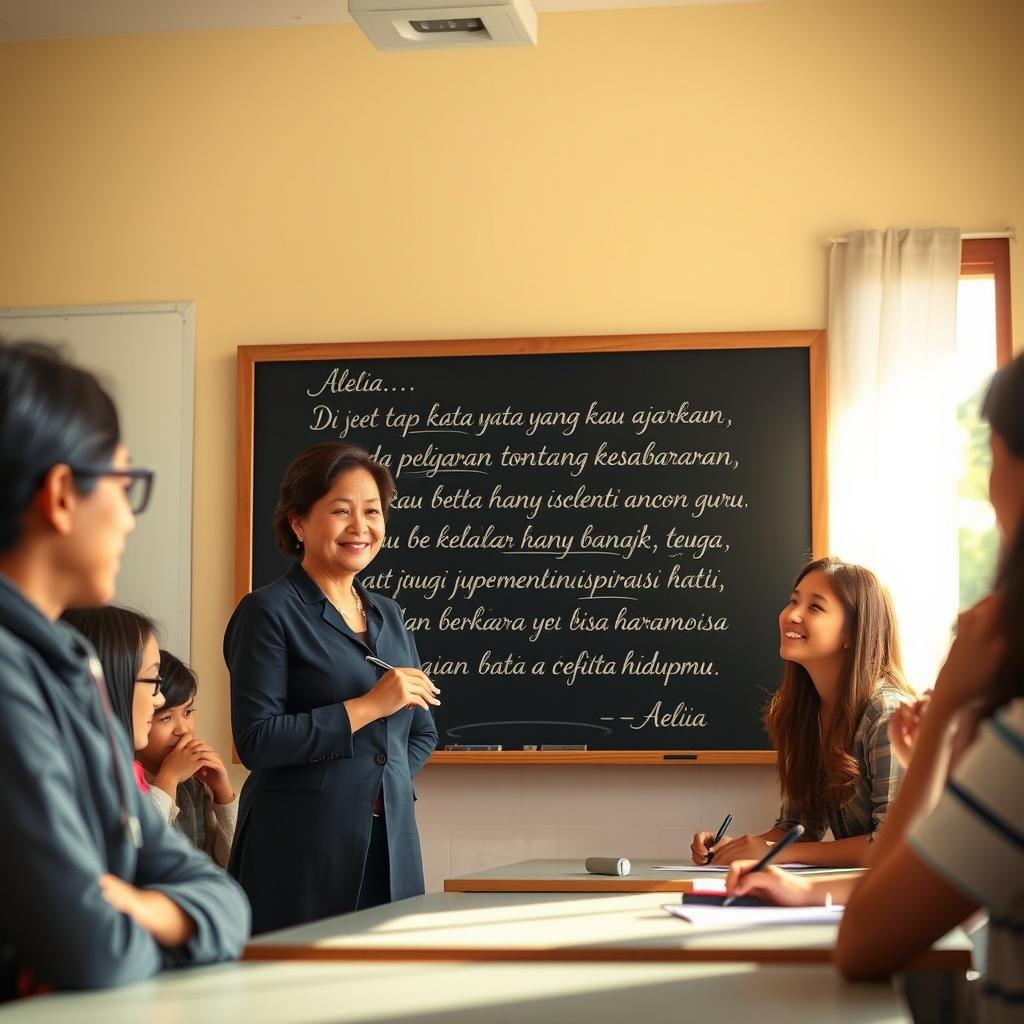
752,917
792,865
688,867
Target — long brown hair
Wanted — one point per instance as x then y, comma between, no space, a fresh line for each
816,764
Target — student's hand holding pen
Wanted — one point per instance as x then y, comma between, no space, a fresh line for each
741,848
771,884
704,843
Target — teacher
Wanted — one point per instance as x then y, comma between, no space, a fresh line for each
332,740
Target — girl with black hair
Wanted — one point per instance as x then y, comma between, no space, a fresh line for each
95,889
125,642
188,782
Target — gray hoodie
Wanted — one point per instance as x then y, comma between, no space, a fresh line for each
66,821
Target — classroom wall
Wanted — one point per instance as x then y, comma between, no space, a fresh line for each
646,170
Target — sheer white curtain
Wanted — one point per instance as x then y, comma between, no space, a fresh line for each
892,423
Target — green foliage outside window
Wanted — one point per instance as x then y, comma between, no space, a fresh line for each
977,533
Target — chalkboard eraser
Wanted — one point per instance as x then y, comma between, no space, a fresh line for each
607,865
472,746
563,746
680,757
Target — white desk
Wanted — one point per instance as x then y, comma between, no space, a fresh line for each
570,876
302,993
558,927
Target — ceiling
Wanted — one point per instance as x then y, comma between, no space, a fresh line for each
48,19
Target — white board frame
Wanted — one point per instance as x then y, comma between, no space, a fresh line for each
170,606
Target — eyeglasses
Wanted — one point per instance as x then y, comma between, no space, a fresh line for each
138,490
155,683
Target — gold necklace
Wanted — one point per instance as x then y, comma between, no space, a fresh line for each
358,613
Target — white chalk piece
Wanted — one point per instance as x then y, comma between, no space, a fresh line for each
607,865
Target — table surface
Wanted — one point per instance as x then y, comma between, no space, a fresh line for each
570,876
446,993
559,926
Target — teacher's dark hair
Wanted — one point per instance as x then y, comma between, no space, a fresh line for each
312,474
51,412
118,634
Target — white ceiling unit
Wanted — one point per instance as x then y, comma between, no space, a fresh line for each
427,25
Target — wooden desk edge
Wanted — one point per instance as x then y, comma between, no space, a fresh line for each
595,884
933,960
619,757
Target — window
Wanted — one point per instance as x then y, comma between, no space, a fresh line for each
983,343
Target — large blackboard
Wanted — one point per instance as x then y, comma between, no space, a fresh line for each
593,536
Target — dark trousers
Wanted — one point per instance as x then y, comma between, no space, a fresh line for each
376,887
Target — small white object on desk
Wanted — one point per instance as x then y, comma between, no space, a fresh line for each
607,865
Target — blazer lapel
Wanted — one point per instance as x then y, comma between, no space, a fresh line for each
312,594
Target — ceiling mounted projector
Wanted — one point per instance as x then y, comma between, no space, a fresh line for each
423,25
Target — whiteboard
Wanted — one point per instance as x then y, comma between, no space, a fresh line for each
145,357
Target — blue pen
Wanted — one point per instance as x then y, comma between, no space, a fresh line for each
791,836
718,838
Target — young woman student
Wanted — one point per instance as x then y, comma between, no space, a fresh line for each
828,720
954,840
96,889
125,643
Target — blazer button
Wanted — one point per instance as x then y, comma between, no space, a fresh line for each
381,759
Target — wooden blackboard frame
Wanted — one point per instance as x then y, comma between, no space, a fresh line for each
813,340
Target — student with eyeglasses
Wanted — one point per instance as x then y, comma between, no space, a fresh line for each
126,644
95,889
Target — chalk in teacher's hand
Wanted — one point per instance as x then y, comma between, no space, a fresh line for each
607,865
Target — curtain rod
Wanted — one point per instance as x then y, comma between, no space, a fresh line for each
1005,233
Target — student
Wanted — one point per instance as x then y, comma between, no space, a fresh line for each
189,784
953,845
828,720
95,889
957,845
125,642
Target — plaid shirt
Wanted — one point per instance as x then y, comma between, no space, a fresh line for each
880,775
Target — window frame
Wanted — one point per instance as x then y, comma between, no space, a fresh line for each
990,257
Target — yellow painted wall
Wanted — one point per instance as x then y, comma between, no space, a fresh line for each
646,170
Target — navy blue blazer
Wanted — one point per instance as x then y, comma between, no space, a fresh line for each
305,811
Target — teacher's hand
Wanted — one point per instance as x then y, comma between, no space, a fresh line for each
402,688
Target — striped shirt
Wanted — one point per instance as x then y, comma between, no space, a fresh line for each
880,775
974,839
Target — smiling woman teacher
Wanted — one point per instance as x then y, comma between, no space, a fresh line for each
326,821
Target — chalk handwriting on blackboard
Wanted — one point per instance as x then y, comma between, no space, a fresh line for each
574,539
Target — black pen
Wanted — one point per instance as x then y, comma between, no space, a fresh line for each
718,838
793,834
